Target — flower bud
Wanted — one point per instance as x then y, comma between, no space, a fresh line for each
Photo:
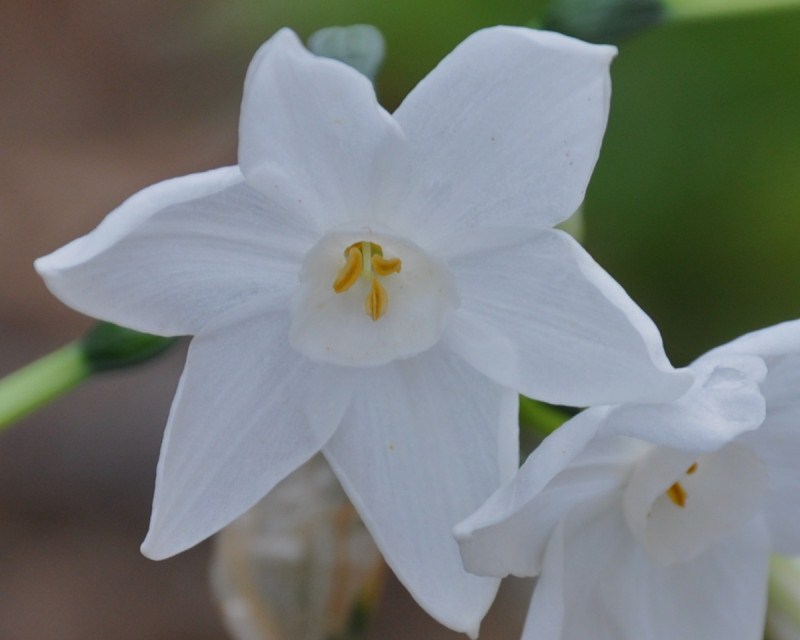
300,565
603,21
361,46
107,346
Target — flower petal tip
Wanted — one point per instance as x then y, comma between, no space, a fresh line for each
156,546
51,264
159,547
41,265
555,40
282,38
152,551
462,533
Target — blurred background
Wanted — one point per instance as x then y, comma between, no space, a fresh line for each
694,208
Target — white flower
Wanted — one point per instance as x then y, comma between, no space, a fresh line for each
379,287
655,522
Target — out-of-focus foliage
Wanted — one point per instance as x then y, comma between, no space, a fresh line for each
695,204
603,20
418,33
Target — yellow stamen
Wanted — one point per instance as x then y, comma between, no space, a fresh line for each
351,271
677,494
364,258
385,267
376,301
691,469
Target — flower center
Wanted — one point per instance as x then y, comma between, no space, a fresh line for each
677,505
677,493
340,299
365,259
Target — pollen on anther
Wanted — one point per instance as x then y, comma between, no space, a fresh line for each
377,300
691,469
385,267
677,494
351,271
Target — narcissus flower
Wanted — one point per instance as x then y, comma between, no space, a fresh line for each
379,287
653,522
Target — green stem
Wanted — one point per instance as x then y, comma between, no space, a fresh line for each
540,418
40,382
105,347
698,9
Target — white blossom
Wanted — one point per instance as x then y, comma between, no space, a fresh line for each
379,287
656,521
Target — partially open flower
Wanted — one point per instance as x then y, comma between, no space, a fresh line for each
379,287
648,522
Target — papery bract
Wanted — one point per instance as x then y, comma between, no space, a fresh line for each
298,564
379,287
656,521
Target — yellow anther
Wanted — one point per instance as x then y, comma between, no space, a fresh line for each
376,301
677,494
351,271
691,469
385,267
365,259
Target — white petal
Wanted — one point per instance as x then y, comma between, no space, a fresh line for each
313,136
777,340
248,411
506,130
579,339
425,441
777,443
720,595
575,564
179,253
545,617
610,591
508,534
723,402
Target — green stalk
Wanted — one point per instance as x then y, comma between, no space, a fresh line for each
104,348
41,382
698,9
